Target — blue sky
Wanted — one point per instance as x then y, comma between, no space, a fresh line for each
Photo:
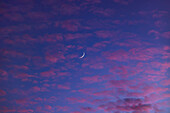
125,68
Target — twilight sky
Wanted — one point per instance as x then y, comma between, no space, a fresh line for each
125,69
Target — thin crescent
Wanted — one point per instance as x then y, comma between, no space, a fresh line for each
83,55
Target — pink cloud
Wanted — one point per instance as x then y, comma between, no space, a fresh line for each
85,3
13,53
100,11
155,98
51,38
77,36
165,82
142,107
38,89
48,107
142,54
17,28
39,99
52,99
151,89
38,16
154,78
62,74
54,57
121,71
22,67
121,83
155,33
92,49
159,14
63,108
61,86
24,76
77,100
13,17
2,92
166,47
48,73
92,79
3,99
7,110
160,24
124,2
136,22
88,91
97,101
88,109
106,34
98,63
97,66
166,34
4,75
25,102
69,9
117,22
26,111
119,55
127,105
76,112
132,43
105,93
101,44
71,25
135,94
132,101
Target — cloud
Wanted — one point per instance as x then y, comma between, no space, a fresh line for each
88,109
119,55
8,110
125,69
63,86
71,25
159,14
126,105
106,34
26,111
4,74
63,108
77,36
141,54
124,2
51,38
48,73
37,89
104,93
69,9
165,82
2,92
77,100
92,79
24,76
101,11
121,83
166,34
48,107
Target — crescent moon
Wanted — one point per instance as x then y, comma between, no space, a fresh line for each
82,55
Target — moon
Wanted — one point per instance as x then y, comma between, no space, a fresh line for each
82,55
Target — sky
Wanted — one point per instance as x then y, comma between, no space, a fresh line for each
125,68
